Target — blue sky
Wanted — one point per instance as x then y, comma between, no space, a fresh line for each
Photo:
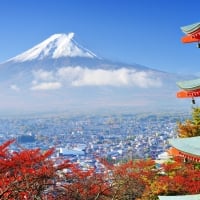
146,32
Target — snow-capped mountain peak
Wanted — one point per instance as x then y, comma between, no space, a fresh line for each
56,46
60,74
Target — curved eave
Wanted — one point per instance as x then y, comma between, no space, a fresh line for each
189,146
190,38
188,94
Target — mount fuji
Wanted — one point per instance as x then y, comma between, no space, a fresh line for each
59,74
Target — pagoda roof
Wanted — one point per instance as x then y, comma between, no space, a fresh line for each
190,28
189,85
181,197
187,145
192,33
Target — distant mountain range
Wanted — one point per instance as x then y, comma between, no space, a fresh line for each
58,74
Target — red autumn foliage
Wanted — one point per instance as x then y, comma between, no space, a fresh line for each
178,178
32,174
133,178
25,174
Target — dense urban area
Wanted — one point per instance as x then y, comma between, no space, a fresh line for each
83,138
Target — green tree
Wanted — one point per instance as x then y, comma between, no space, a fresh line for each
196,116
191,127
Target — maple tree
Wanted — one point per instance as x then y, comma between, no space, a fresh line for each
176,178
25,174
133,178
87,185
32,174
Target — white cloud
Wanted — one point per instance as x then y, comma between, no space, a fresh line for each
42,75
15,88
102,77
69,74
77,76
47,86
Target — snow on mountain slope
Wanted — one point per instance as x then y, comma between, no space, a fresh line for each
56,46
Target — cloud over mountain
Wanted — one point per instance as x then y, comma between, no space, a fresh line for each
46,86
78,76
